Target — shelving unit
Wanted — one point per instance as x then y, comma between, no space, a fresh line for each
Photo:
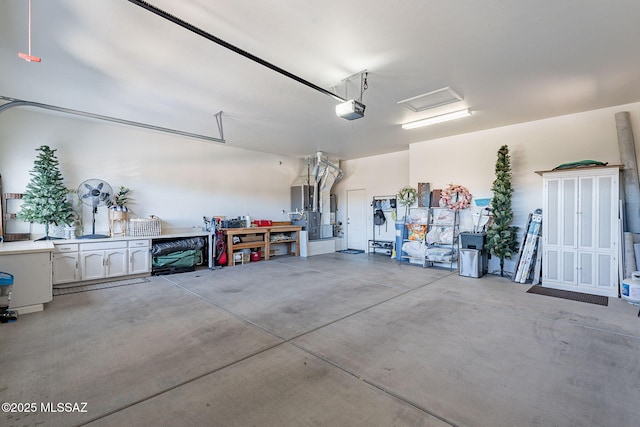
387,204
9,201
437,234
261,238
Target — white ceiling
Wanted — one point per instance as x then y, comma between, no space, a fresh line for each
511,61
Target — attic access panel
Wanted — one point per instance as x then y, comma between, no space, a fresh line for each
430,100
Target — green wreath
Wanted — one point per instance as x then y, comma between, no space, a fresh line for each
407,196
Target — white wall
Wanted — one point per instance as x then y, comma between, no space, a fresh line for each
181,179
379,176
178,179
469,159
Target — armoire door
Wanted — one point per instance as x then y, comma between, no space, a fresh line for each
559,230
597,232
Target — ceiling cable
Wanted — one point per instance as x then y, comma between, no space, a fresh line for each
153,9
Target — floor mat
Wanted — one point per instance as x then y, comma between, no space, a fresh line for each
351,251
96,286
574,296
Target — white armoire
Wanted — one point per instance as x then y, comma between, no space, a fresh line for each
581,229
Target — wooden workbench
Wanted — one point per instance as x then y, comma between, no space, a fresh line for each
264,243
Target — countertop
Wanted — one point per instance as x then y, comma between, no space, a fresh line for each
31,246
27,246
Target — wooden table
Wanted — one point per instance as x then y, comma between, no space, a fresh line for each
265,242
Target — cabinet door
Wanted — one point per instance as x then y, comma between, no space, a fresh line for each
560,229
587,213
568,209
92,265
139,260
597,270
116,263
65,267
606,226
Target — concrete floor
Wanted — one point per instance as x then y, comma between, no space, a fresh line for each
330,340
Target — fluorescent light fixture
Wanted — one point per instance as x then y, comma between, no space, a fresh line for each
437,119
350,110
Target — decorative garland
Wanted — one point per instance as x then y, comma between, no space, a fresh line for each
456,197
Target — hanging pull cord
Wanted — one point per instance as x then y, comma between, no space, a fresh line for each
364,84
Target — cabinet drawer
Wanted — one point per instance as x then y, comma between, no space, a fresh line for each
72,247
99,246
139,243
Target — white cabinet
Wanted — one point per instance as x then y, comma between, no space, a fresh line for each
66,265
96,260
581,230
100,260
139,256
103,264
30,265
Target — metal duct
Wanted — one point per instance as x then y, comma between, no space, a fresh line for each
318,180
630,179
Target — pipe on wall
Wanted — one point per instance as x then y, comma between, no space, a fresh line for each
631,183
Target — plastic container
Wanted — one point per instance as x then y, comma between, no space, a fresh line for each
6,284
630,289
401,235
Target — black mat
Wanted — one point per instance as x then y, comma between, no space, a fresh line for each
351,251
574,296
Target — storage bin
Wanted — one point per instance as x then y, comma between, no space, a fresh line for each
473,240
630,289
6,284
139,227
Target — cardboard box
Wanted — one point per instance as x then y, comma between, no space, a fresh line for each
278,249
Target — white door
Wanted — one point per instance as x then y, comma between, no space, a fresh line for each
116,262
65,267
92,265
139,260
356,220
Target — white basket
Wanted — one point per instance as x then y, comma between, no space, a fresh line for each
138,227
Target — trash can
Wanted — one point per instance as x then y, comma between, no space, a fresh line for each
401,236
6,285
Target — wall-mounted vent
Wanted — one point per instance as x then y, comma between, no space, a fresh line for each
433,99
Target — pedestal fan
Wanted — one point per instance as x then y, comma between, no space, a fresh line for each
94,193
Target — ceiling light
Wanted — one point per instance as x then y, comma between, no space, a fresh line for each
350,110
437,119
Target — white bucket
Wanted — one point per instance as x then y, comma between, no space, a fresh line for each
630,290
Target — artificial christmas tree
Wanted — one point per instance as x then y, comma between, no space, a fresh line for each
502,236
45,199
